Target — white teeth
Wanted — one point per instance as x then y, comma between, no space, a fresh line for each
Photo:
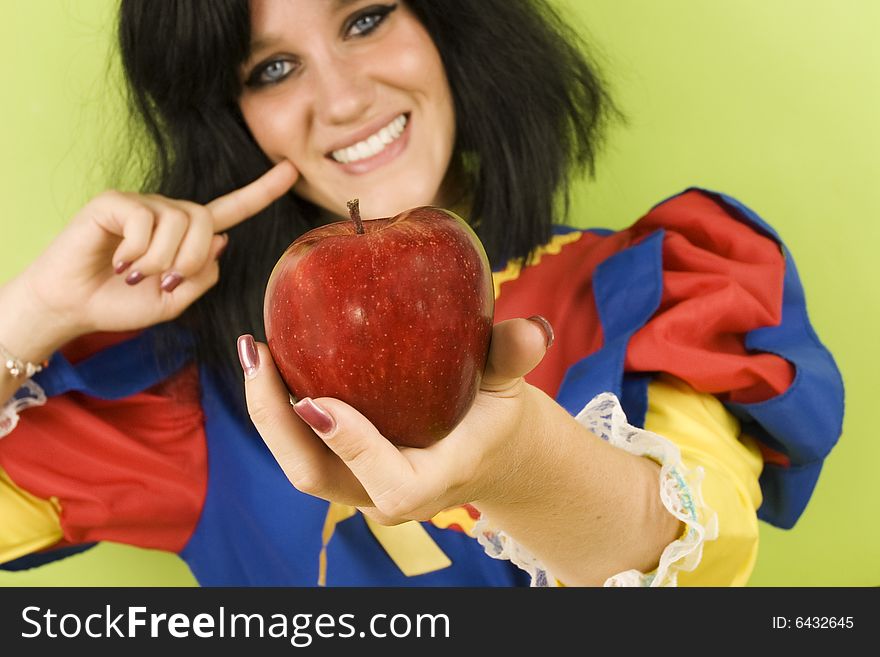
373,144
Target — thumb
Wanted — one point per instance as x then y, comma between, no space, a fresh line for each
518,345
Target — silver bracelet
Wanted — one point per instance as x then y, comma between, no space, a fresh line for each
19,368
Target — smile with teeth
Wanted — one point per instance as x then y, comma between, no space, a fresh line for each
372,145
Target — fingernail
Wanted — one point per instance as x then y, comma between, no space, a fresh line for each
247,354
549,336
222,248
171,281
315,416
134,278
121,266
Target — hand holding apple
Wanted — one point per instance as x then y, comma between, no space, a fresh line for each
475,461
392,316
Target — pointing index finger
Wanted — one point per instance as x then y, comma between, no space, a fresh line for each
233,208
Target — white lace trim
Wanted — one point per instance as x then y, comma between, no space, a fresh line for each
29,395
499,545
679,492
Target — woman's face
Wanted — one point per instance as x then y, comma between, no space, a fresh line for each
354,94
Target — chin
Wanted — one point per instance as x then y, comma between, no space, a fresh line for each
375,205
377,208
403,195
384,200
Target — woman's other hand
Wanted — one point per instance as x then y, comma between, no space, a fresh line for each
128,261
329,450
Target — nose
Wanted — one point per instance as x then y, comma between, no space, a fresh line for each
343,90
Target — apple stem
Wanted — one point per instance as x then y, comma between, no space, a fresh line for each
355,212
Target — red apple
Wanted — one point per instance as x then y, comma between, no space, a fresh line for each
392,316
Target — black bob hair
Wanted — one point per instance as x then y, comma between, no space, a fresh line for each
530,111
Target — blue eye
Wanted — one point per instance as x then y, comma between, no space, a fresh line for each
274,71
369,19
271,72
366,23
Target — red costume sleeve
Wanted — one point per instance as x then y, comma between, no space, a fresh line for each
721,279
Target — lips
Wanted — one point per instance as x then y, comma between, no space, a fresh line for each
372,145
367,149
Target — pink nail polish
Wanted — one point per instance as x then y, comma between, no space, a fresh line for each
315,416
549,335
248,355
171,281
134,278
121,266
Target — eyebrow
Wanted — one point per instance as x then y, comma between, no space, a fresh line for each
267,40
264,41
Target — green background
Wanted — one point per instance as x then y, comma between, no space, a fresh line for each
771,101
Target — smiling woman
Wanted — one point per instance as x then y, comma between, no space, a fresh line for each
640,449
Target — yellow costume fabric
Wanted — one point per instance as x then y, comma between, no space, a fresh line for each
709,436
27,523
